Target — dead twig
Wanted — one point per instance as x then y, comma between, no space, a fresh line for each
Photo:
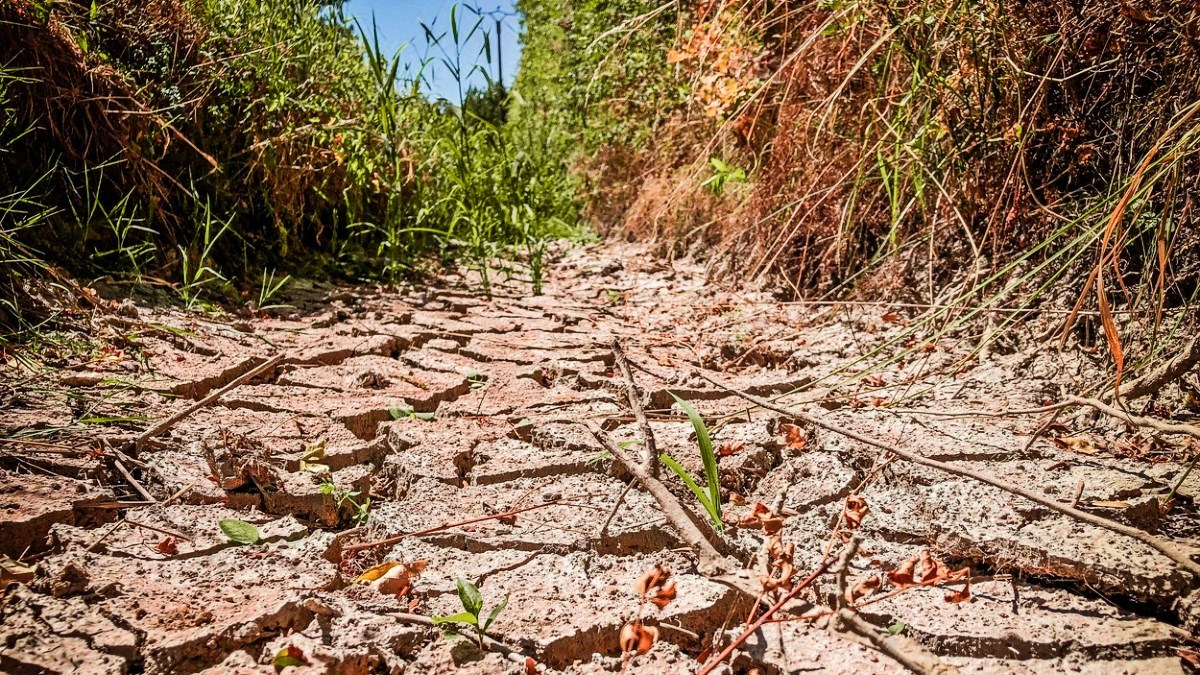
165,425
1170,371
710,560
447,526
906,651
766,616
613,513
1160,544
1135,420
634,396
133,481
490,643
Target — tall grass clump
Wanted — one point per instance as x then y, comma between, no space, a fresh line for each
205,142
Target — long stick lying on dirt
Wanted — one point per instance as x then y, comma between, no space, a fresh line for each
1147,422
1164,546
634,395
904,650
167,424
711,562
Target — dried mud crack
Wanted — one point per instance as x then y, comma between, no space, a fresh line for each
442,407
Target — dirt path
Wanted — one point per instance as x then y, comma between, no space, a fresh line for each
442,406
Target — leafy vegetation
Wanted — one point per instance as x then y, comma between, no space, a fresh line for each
472,603
211,142
710,496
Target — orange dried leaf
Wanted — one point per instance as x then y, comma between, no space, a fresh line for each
530,666
903,577
168,546
729,449
863,588
1081,444
856,509
875,380
664,595
636,638
961,595
891,317
794,436
652,581
392,578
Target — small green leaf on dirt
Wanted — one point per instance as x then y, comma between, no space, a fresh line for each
896,628
240,532
289,656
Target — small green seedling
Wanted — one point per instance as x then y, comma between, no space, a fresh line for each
361,509
472,602
240,532
710,497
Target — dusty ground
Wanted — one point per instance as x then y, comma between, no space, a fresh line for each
127,583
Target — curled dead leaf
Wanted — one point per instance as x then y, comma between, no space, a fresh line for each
902,577
794,436
856,509
656,586
863,588
961,595
636,638
1081,444
729,449
771,524
530,666
167,546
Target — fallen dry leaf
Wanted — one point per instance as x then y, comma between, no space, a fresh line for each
392,578
875,380
771,524
863,588
1081,444
729,449
168,546
903,576
961,595
12,571
794,436
656,586
530,666
637,638
289,656
891,317
856,509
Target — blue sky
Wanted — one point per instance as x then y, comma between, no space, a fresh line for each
399,23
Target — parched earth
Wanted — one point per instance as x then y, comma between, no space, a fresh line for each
447,410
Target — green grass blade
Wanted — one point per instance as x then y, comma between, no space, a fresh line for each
713,513
707,455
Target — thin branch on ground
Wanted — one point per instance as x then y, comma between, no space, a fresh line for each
852,546
634,396
1162,545
710,560
1136,420
169,423
448,526
906,651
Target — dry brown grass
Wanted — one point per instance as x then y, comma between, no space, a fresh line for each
956,135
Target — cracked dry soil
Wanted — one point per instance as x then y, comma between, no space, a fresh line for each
127,582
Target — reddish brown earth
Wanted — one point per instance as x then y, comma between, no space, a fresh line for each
122,585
